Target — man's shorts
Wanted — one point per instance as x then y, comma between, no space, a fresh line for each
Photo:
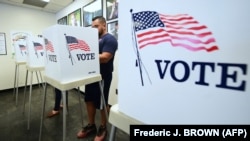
93,93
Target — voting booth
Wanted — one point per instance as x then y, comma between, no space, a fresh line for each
19,51
72,60
71,53
189,66
19,43
35,62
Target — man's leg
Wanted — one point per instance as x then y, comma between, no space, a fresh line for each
55,111
58,97
91,127
104,116
102,130
91,112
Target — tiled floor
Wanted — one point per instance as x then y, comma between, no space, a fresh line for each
14,118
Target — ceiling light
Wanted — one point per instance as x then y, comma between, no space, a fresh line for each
46,0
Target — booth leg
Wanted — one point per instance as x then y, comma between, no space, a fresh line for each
64,115
67,102
41,78
30,95
112,133
17,81
24,95
43,109
14,90
103,100
37,78
80,103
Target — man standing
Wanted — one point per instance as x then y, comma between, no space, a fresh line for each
107,48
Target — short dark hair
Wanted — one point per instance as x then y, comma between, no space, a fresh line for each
100,18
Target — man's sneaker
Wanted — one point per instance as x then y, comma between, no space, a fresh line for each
101,134
87,130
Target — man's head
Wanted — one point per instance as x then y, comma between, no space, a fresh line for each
99,22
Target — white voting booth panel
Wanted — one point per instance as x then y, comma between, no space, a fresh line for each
113,92
19,42
189,66
72,53
35,52
20,50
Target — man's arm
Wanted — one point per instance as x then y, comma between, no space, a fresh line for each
105,57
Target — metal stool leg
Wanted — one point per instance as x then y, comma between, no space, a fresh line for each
43,109
112,133
31,78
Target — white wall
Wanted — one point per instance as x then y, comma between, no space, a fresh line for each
19,19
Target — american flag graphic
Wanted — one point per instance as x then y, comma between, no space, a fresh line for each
22,47
37,46
74,43
179,30
49,46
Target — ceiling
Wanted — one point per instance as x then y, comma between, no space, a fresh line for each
53,6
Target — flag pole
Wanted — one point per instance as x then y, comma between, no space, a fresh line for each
35,49
26,39
21,50
137,51
70,56
45,48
